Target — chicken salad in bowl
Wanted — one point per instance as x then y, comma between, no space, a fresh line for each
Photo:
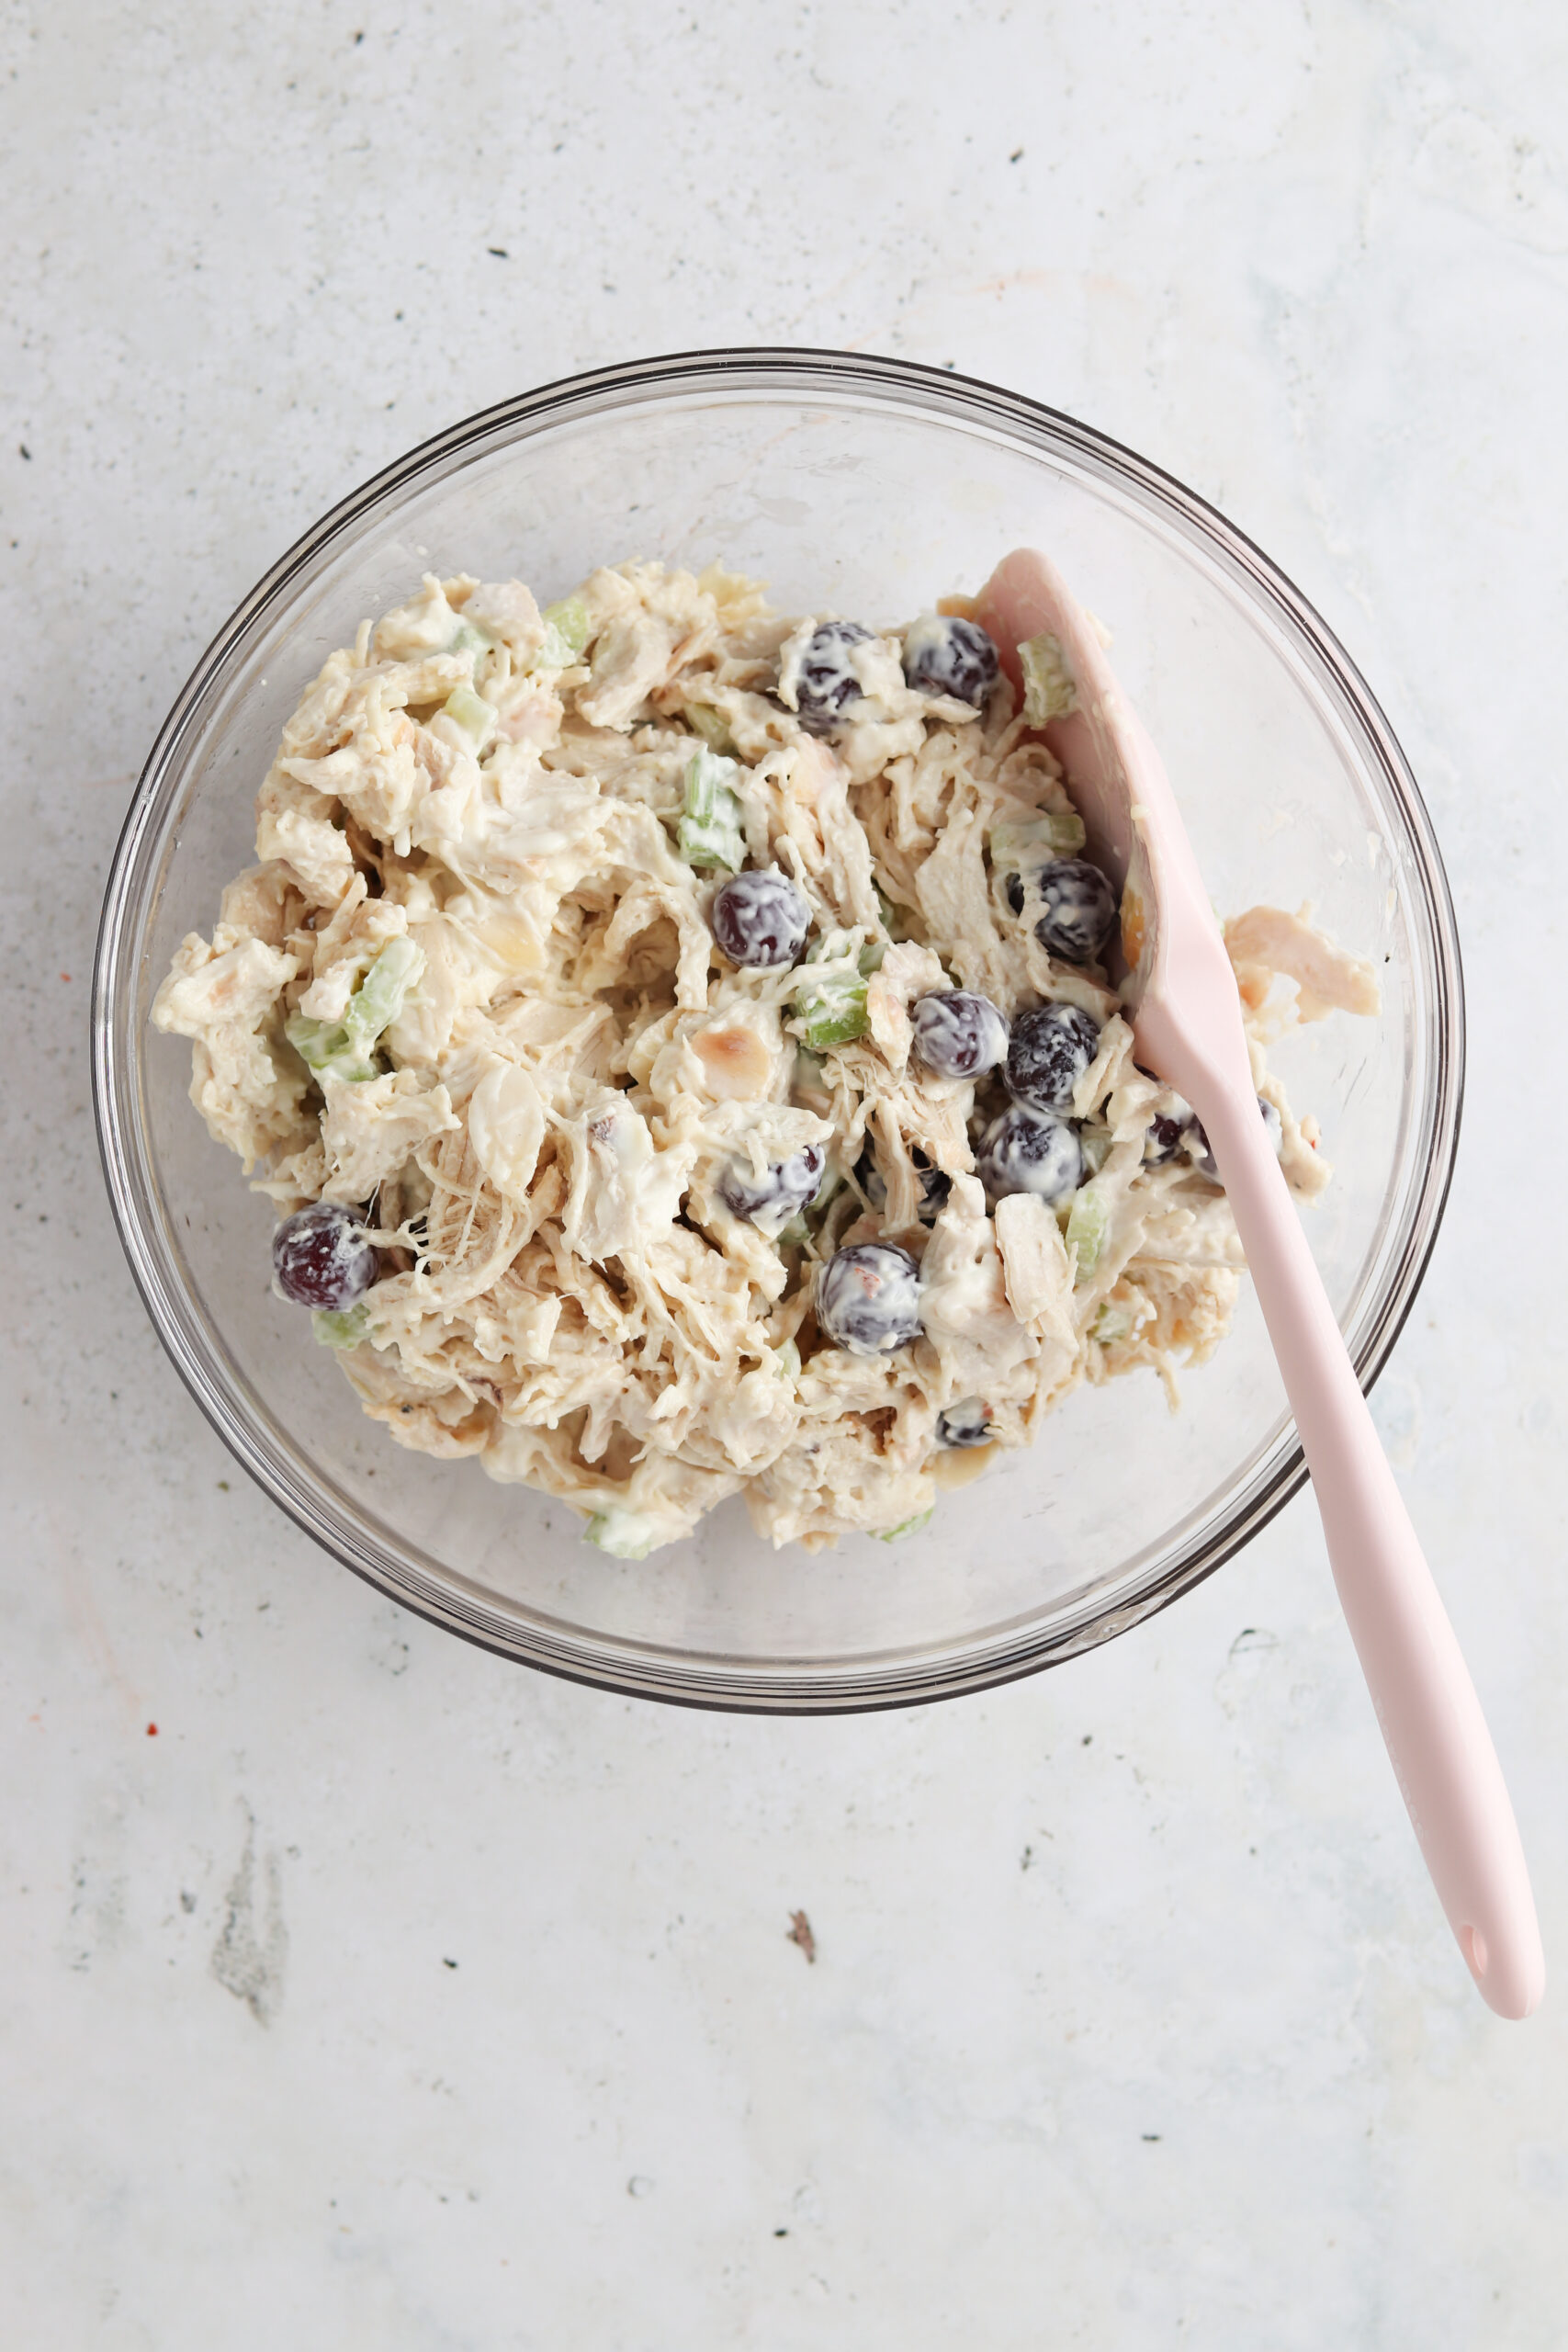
860,488
682,1045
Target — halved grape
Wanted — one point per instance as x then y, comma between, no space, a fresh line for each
322,1258
944,654
1079,907
868,1298
1166,1133
760,920
769,1201
966,1423
1049,1052
958,1034
827,684
1030,1151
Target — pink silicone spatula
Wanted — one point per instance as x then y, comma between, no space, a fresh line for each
1186,1014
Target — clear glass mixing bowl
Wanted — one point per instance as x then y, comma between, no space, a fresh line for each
869,486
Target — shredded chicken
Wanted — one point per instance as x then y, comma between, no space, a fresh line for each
472,993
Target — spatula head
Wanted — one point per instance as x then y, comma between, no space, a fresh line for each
1112,771
1179,988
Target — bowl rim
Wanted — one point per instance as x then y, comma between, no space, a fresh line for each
870,1680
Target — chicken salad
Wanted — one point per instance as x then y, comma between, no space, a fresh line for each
677,1042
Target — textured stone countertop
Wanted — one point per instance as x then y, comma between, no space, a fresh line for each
389,1996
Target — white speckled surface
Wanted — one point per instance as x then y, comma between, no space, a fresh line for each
391,1997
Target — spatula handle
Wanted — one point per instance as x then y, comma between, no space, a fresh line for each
1432,1724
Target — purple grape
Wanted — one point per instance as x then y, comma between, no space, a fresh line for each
946,655
780,1192
968,1423
958,1034
321,1259
1079,907
1049,1053
760,919
868,1298
1163,1141
827,686
1030,1151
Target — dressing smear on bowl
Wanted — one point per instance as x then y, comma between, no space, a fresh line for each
677,1041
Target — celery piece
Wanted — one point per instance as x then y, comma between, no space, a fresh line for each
1112,1323
571,619
471,640
472,713
834,1016
711,725
344,1328
1089,1222
792,1236
568,626
382,993
710,830
1048,688
906,1526
786,1360
624,1535
345,1048
831,1002
325,1048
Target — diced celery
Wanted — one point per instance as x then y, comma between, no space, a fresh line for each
382,993
831,1002
871,956
471,640
834,1016
1048,688
345,1048
324,1046
1089,1222
624,1535
711,725
710,832
786,1360
1095,1145
472,713
1112,1323
570,617
568,626
906,1527
1052,833
792,1236
342,1328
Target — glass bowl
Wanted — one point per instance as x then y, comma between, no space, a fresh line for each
871,487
